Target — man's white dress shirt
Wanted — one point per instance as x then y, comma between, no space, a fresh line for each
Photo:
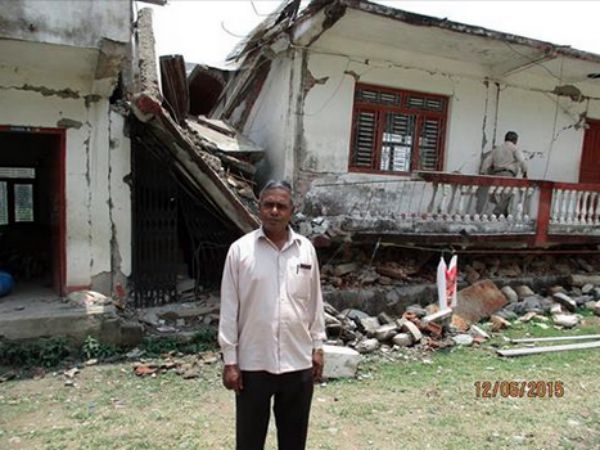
271,304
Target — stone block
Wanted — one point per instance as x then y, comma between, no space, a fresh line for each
344,269
510,294
402,339
524,291
370,325
386,332
565,320
565,301
367,345
340,362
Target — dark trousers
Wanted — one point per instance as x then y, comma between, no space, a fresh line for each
292,393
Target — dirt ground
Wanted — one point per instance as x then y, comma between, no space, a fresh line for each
401,400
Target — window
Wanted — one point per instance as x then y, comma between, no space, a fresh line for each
17,203
397,131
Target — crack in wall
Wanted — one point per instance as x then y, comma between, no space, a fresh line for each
45,91
117,278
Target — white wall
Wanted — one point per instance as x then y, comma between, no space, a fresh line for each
90,163
66,22
474,118
271,123
328,111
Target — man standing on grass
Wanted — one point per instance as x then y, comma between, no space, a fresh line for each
271,327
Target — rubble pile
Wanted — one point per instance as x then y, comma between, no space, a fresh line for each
482,309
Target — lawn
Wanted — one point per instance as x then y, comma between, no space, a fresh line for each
403,400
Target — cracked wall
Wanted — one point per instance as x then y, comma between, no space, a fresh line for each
98,218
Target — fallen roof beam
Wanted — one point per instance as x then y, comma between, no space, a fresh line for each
548,349
583,337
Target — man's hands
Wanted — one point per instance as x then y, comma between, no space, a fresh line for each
232,378
318,360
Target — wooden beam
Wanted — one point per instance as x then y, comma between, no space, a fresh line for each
548,349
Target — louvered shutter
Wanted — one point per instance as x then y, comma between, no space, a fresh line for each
430,144
363,154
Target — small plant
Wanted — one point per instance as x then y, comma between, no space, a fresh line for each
204,339
46,352
94,349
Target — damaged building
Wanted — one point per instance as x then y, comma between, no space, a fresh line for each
64,200
382,117
105,183
130,174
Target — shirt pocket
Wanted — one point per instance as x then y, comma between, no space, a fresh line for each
299,283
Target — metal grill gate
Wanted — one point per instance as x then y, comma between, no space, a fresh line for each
154,228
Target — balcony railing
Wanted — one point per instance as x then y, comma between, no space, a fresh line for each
449,206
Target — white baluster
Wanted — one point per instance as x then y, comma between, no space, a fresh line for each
557,195
571,207
564,206
445,198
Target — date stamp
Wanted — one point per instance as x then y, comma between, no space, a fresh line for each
519,389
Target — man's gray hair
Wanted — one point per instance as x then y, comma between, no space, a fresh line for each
276,184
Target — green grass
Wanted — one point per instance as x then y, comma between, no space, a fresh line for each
401,404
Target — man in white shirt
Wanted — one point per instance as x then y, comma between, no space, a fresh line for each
271,327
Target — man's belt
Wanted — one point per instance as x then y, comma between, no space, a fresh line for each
496,171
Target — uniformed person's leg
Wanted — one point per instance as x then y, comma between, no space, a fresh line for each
252,410
292,409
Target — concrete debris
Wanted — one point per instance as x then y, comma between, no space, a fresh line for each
463,339
370,325
582,280
409,327
402,340
344,269
478,332
477,302
88,298
386,332
499,323
565,320
565,301
587,288
523,291
367,345
510,294
340,362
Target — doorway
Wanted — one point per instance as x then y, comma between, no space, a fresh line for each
32,208
589,171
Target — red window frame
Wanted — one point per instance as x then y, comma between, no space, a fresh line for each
381,109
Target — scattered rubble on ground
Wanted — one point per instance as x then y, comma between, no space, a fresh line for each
482,310
188,367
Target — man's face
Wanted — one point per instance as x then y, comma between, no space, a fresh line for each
275,210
